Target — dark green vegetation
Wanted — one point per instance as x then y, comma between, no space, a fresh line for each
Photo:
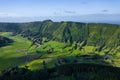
5,41
64,72
72,50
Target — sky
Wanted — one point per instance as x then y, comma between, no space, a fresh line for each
30,10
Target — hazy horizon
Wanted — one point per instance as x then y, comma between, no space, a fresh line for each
105,11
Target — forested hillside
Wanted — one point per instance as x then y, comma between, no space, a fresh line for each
91,34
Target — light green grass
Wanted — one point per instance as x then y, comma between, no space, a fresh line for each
9,55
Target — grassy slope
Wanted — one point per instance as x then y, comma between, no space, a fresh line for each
9,55
50,59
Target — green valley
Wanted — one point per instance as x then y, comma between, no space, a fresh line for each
60,48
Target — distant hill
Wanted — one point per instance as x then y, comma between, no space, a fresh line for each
9,27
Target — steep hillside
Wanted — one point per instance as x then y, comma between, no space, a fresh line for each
103,36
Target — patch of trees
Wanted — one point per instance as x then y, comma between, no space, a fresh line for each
51,50
5,41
